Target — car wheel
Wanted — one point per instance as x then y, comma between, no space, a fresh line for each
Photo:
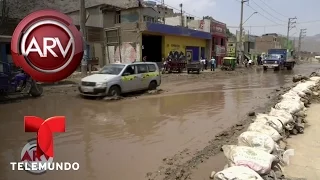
114,91
152,85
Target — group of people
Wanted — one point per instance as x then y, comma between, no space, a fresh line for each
204,63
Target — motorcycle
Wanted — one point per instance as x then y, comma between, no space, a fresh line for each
19,83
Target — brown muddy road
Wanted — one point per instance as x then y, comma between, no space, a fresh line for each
128,139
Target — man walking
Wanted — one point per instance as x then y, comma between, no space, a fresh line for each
213,64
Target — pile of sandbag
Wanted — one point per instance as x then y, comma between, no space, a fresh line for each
258,149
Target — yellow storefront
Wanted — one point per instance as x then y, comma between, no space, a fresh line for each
192,48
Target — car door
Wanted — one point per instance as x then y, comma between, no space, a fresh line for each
143,75
129,80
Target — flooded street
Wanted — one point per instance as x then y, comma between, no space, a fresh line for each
125,140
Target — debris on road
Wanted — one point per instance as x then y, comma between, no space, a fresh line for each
262,149
251,113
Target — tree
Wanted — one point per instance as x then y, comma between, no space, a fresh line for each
230,34
208,17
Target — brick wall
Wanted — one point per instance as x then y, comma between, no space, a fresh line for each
264,43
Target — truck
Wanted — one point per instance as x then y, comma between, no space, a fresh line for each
278,59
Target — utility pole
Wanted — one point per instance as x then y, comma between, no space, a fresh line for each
163,10
181,14
301,36
83,19
241,32
291,25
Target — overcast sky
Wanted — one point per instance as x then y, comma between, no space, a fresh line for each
272,16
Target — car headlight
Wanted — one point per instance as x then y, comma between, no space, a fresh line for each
275,62
265,62
101,84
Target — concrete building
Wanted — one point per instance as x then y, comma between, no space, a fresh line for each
268,41
129,34
199,25
215,28
219,40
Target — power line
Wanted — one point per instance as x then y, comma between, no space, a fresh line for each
267,12
276,25
273,9
258,13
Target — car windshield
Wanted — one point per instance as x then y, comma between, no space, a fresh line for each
273,56
113,69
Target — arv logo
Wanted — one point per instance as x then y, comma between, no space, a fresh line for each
47,46
37,155
34,47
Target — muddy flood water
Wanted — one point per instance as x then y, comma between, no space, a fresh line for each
125,140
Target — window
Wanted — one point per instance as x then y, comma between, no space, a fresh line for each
142,68
129,70
148,19
152,68
117,18
222,42
113,69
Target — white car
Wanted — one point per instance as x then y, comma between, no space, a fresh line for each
115,79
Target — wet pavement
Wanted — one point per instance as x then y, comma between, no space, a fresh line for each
128,139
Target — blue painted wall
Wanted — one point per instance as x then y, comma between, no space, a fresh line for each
176,30
195,52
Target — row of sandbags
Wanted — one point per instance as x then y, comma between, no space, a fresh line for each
258,148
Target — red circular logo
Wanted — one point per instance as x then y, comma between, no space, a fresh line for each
47,46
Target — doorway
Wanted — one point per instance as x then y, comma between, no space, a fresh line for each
152,47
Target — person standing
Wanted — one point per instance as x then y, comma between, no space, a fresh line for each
206,65
213,64
203,63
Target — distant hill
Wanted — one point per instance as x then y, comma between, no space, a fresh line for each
309,43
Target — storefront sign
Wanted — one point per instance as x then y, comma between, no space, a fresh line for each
231,49
218,28
220,50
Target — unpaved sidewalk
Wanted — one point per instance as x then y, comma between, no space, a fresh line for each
305,163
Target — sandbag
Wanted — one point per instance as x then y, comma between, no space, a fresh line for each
286,117
304,87
265,129
256,140
315,79
255,159
272,121
291,95
237,173
290,106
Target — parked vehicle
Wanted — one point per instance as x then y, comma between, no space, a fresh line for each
229,63
194,66
116,79
17,83
278,59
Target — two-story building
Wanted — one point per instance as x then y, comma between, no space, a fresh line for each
268,41
219,40
128,34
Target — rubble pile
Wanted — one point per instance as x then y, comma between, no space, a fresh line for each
262,149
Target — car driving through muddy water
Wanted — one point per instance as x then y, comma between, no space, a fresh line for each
115,79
